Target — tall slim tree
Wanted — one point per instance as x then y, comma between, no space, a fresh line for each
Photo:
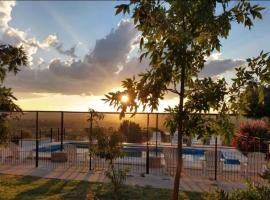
11,58
255,101
177,36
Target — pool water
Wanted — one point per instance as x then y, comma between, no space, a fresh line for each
190,154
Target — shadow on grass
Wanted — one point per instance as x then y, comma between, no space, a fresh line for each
23,180
191,195
48,189
80,192
35,188
143,193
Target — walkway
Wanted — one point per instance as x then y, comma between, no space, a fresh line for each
187,183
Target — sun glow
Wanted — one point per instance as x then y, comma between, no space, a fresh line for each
124,99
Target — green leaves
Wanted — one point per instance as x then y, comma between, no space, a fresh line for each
180,35
124,8
250,87
7,100
244,13
11,58
205,95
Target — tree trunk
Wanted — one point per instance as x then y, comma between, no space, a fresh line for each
180,136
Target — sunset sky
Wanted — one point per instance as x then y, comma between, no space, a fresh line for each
78,51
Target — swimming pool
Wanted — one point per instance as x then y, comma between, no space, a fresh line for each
189,153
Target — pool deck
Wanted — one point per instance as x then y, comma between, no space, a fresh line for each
195,184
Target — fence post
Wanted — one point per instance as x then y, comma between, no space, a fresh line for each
58,132
147,145
51,134
259,144
37,140
216,158
90,140
62,129
21,137
156,134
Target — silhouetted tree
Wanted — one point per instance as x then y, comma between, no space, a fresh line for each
11,58
132,132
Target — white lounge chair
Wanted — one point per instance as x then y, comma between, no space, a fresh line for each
17,153
71,152
4,153
254,165
209,163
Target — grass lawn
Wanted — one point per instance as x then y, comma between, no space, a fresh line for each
35,188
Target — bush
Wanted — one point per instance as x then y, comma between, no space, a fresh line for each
5,131
252,193
132,132
251,136
117,177
109,147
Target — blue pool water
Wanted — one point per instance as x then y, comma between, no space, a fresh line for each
137,151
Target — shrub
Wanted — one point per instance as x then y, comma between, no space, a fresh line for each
251,136
109,147
252,193
131,131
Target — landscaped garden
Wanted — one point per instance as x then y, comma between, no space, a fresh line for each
33,188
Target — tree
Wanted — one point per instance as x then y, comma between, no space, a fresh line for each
107,144
11,58
252,79
131,131
176,36
256,102
250,97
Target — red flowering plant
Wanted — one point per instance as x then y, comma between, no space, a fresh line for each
252,136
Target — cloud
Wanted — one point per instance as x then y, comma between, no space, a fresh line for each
217,67
112,59
69,52
16,37
95,73
115,47
215,56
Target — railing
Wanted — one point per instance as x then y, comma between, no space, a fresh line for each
39,135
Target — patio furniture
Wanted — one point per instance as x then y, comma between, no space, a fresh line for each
16,153
59,157
254,165
170,157
4,153
211,162
71,152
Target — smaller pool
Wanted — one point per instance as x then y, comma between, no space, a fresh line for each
134,151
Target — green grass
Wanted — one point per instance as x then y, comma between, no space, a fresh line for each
34,188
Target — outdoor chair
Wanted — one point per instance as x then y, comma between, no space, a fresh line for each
71,152
254,165
170,157
209,164
4,153
16,153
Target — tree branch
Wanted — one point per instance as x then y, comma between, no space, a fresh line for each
173,90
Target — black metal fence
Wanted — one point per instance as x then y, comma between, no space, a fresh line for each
61,140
